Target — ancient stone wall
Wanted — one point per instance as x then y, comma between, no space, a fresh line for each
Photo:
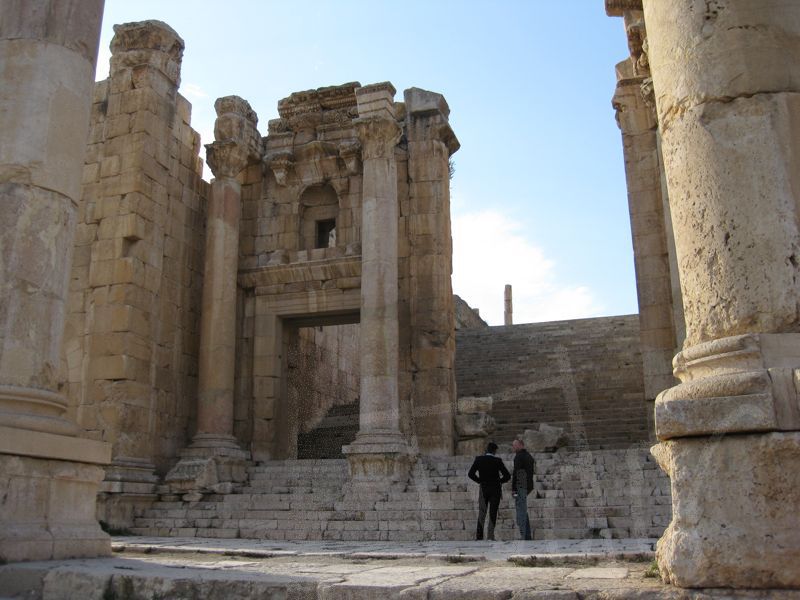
130,347
584,375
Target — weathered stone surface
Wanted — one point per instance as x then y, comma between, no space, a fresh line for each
469,405
735,521
546,438
474,425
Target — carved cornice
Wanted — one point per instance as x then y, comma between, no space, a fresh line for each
318,100
616,8
378,137
280,163
350,153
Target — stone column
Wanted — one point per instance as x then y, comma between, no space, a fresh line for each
214,459
48,477
508,307
660,316
380,452
726,76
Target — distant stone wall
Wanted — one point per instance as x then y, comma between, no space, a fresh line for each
584,375
130,348
323,381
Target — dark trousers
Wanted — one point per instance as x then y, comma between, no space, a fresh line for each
490,499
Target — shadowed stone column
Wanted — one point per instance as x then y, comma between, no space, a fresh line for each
48,477
214,459
657,286
379,453
727,76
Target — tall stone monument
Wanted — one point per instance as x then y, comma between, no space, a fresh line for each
49,475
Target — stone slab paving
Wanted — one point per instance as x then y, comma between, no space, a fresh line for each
147,568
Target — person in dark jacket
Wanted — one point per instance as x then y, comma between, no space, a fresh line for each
522,485
490,473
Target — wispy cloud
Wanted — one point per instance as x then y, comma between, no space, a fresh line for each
192,90
489,251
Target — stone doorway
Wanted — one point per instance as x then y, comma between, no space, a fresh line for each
322,386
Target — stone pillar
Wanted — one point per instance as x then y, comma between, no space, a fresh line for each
726,78
214,459
380,453
636,116
48,477
508,307
428,291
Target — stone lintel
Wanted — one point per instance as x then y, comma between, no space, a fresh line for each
336,268
617,8
51,446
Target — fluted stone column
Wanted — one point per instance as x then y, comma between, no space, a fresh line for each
379,451
48,477
215,458
726,76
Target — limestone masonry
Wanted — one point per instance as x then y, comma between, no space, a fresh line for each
278,354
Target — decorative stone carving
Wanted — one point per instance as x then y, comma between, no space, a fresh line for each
378,137
281,164
350,153
153,43
226,158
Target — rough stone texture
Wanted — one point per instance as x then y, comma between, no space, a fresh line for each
545,438
48,476
47,509
742,492
130,347
583,375
727,116
466,317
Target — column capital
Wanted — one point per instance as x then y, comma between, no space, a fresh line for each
378,136
226,159
151,43
238,142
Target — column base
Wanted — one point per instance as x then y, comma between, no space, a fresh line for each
49,509
128,489
378,460
211,464
735,522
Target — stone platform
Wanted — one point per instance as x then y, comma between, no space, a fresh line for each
579,495
232,569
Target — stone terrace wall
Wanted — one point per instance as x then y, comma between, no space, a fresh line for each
131,340
584,375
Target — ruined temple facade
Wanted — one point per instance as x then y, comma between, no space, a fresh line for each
159,332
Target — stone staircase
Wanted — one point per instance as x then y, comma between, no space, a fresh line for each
584,375
579,495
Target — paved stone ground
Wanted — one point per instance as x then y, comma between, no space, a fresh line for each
150,568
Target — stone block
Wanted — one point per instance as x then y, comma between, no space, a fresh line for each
747,488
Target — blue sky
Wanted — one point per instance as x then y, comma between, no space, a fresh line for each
538,197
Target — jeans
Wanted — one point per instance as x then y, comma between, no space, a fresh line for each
492,502
521,504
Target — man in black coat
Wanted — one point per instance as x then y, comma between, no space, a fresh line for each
490,473
522,485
